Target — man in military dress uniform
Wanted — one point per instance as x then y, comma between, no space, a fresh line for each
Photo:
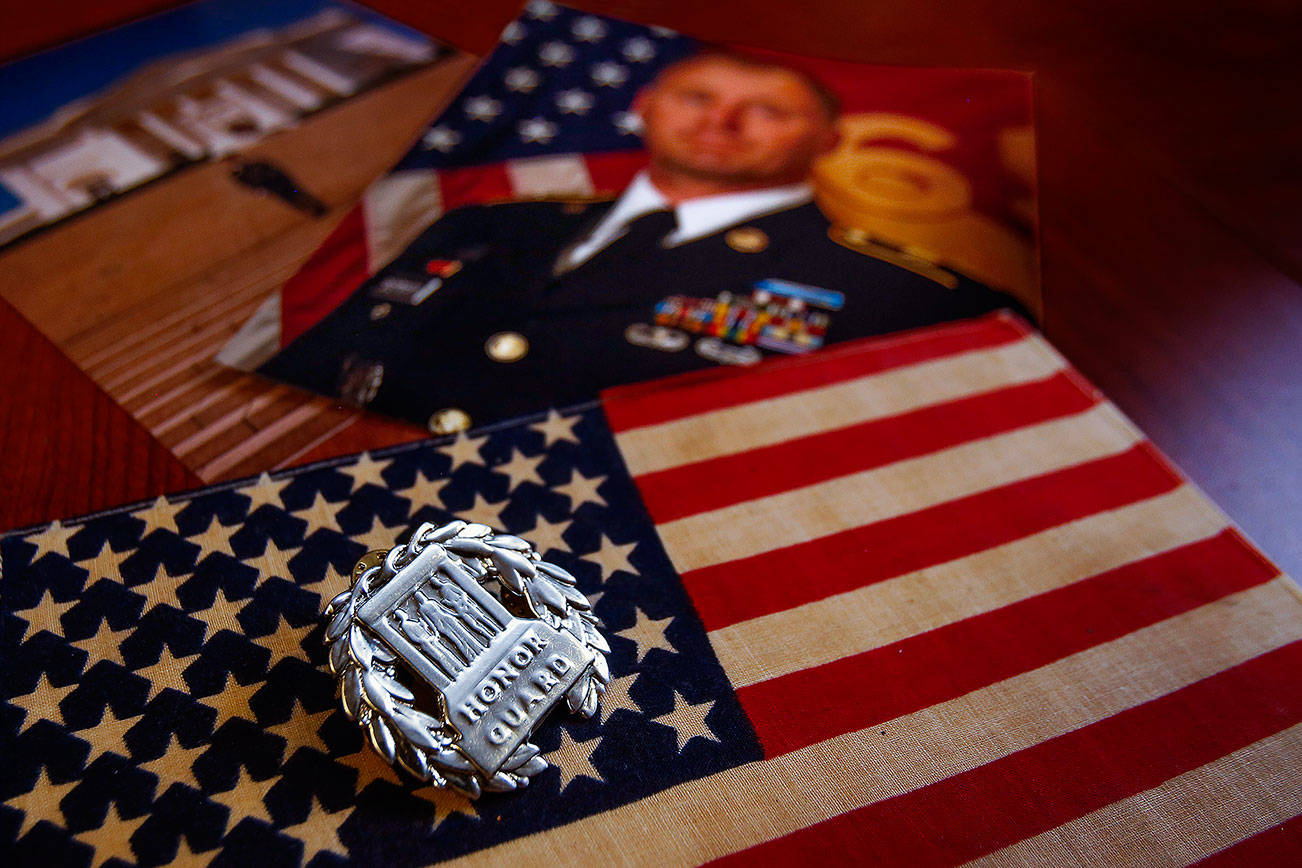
715,254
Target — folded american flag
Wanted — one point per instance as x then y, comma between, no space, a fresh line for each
924,599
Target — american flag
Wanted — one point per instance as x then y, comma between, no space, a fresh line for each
923,599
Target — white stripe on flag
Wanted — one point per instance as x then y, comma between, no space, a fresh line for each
802,413
395,210
257,340
1185,819
859,499
563,175
846,624
685,825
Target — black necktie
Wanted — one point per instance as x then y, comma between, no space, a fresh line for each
641,235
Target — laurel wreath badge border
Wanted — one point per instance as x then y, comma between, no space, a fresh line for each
375,699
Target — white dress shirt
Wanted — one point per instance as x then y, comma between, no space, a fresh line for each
696,217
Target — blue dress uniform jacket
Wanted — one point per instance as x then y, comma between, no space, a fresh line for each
417,360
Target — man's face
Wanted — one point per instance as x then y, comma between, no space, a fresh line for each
717,120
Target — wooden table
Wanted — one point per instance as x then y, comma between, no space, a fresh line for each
1171,223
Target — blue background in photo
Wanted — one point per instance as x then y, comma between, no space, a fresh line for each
35,87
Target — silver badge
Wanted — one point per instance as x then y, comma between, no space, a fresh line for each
727,354
656,337
448,680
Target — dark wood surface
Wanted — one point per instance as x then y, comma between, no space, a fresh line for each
68,448
1170,194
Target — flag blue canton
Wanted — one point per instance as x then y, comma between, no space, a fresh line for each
165,684
559,82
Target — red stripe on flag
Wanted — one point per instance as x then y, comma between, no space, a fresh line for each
676,492
612,172
331,274
728,593
1041,787
793,711
688,394
475,185
1278,845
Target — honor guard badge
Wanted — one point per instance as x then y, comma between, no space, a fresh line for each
448,680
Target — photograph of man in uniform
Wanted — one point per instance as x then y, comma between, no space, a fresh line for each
715,254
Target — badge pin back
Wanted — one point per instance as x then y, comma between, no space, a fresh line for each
746,239
419,619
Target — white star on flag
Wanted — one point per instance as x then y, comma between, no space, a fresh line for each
483,108
589,29
556,54
441,138
539,130
541,10
639,49
513,33
521,79
54,539
628,123
574,102
608,74
687,720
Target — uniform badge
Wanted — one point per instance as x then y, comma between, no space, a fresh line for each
359,380
656,337
777,315
506,347
405,290
727,354
746,239
450,681
449,420
443,267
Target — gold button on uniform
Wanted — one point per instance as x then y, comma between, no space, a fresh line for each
380,311
449,420
746,239
507,347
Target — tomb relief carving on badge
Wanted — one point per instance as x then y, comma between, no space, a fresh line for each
449,680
